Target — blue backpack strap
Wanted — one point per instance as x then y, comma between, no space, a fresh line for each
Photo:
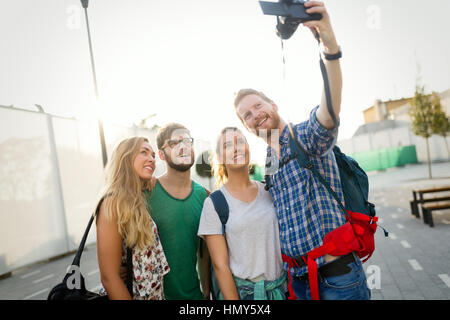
297,151
305,162
221,207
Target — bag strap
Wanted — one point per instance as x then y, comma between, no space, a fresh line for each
201,240
76,260
304,160
326,84
301,155
221,207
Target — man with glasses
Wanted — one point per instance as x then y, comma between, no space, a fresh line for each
175,204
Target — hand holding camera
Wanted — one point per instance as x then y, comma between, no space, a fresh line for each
312,14
322,26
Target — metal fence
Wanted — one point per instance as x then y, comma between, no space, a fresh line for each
51,173
384,158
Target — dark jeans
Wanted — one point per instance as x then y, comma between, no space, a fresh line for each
350,286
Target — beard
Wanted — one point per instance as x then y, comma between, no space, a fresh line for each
182,167
263,133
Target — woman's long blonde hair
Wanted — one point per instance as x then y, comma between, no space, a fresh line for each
219,169
124,197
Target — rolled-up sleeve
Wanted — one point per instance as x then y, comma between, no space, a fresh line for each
316,139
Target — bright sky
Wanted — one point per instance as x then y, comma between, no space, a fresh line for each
184,60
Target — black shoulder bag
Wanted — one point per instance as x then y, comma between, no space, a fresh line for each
66,290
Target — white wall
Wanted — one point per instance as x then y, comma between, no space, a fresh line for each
394,138
438,151
51,173
32,226
361,143
81,171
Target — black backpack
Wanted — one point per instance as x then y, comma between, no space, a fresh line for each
354,180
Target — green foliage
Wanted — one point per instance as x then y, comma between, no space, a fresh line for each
443,123
427,114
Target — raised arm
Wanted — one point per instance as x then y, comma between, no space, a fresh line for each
333,67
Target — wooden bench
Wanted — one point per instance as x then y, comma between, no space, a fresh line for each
418,198
414,206
427,209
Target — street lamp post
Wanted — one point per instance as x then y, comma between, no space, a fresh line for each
85,4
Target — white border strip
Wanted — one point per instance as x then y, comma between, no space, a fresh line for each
36,294
445,278
44,278
29,274
415,265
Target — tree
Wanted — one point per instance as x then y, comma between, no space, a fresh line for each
427,117
444,128
441,123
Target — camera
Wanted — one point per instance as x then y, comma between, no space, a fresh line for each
290,13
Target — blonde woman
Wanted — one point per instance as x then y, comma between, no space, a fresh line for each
124,222
247,258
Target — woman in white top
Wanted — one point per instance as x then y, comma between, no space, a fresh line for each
247,258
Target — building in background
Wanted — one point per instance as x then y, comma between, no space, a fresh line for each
388,110
385,139
398,109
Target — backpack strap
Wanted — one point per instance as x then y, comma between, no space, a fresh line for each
305,162
201,240
77,258
221,207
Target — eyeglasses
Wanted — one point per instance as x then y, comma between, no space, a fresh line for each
174,143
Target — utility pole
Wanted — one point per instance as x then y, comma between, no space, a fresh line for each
85,4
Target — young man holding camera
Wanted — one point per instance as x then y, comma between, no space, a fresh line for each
306,211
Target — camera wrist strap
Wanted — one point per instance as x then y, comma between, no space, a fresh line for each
326,84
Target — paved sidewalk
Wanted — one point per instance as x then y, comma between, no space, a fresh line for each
36,281
412,264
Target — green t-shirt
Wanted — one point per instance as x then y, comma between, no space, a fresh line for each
177,221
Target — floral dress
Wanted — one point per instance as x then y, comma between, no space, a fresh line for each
149,267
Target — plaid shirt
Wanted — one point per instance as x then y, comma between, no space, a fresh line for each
306,211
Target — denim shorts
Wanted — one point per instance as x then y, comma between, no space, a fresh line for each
349,286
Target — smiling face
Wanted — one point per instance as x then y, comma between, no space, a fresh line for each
178,151
234,150
258,115
144,162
